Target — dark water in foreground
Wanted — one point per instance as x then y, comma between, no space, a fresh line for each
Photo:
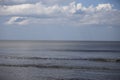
55,60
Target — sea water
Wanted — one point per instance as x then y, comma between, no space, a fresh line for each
59,60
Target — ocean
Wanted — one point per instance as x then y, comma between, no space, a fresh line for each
59,60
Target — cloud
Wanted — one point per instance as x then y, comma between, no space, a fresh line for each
69,14
61,2
12,1
29,9
17,20
48,2
41,9
105,7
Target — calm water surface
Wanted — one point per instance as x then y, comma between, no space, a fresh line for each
59,60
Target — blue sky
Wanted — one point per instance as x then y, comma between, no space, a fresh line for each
60,20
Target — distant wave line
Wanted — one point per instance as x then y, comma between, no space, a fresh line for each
53,78
40,58
83,50
56,66
67,50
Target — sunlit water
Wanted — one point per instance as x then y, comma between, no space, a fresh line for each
55,60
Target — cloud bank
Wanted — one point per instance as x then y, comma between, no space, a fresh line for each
72,13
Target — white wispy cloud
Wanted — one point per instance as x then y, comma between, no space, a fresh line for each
72,13
18,20
29,9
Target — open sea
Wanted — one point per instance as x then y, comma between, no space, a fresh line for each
59,60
